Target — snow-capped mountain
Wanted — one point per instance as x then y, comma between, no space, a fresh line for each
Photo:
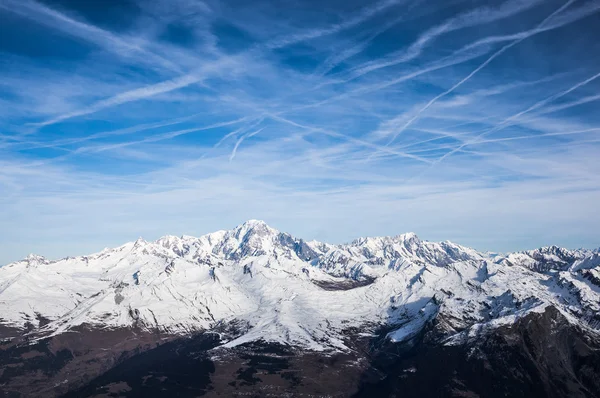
279,288
548,258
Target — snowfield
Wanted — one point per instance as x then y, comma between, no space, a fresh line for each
290,291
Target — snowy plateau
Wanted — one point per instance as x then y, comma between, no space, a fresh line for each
286,290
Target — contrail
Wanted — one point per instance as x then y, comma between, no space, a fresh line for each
184,80
478,16
50,17
366,14
242,138
480,67
353,140
507,121
236,132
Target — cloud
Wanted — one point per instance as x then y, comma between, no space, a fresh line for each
352,21
476,70
510,120
240,140
115,43
124,47
480,16
465,123
129,96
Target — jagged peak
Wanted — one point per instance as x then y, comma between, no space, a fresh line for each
558,251
140,242
253,226
170,237
166,239
363,240
254,222
549,249
408,237
34,259
32,256
405,237
256,236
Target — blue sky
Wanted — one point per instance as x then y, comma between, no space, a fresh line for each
465,120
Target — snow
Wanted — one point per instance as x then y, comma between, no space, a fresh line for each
272,282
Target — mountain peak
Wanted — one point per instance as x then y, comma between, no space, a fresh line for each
34,258
139,242
405,237
256,227
409,237
252,223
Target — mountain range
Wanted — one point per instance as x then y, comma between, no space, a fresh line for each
257,311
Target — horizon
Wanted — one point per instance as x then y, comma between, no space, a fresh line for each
349,242
472,122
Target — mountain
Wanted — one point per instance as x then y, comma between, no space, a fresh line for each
230,302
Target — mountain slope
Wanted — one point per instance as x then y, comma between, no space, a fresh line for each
365,307
274,284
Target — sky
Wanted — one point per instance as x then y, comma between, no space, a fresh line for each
464,120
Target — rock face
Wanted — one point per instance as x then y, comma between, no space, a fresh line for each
540,355
254,310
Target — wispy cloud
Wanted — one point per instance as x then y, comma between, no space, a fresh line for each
240,140
513,118
129,96
350,120
352,21
124,47
476,70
